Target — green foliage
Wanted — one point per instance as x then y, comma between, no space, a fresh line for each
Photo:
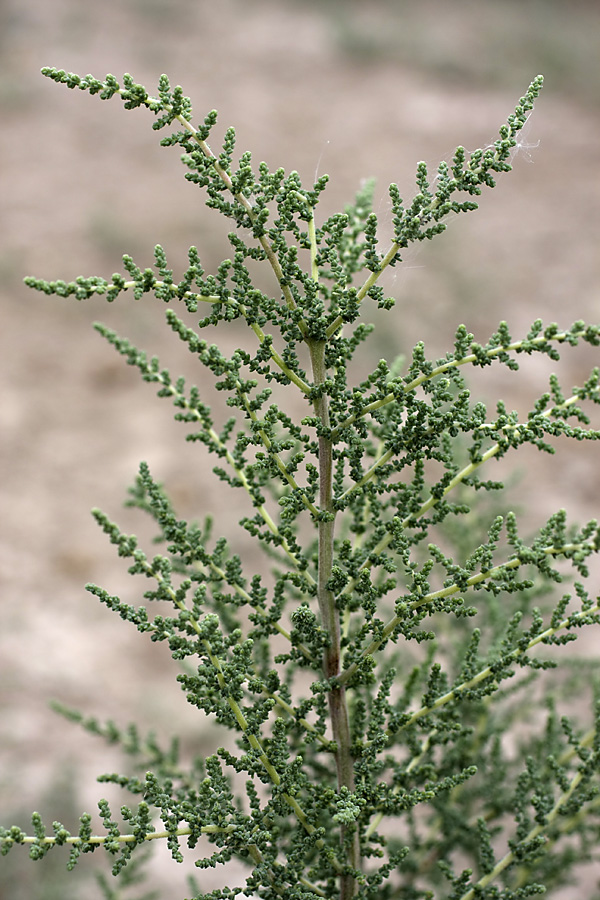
382,673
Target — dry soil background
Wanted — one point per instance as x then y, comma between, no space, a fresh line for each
356,89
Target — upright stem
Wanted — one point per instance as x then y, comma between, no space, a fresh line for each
330,617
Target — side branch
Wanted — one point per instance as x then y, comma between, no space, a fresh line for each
15,836
536,832
433,596
432,500
267,443
238,197
182,402
84,288
252,739
471,359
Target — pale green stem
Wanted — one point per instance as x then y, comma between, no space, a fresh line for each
280,362
305,652
381,461
371,280
125,838
201,298
564,826
305,724
51,840
425,216
586,741
314,269
562,760
278,888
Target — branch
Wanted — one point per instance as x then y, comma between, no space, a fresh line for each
431,597
432,500
471,359
536,832
488,671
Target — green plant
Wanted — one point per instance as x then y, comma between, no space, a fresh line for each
381,748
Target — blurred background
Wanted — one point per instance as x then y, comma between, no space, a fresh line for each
355,89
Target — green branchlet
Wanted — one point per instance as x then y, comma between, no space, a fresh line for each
370,671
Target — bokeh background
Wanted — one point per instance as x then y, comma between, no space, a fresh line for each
355,89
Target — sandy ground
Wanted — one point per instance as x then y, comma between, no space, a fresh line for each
356,90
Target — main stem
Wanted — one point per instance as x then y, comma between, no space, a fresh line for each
330,617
